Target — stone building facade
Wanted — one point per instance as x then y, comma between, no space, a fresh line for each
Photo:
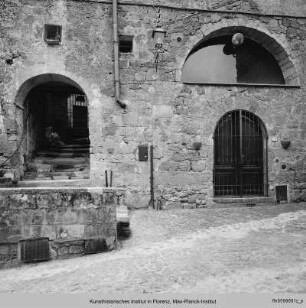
178,118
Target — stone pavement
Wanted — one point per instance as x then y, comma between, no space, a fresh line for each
260,249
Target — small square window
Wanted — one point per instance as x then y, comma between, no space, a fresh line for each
125,43
53,34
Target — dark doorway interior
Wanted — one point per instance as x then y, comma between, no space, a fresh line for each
239,155
64,109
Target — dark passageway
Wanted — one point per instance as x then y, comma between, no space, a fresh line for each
57,137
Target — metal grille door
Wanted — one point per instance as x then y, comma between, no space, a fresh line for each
239,155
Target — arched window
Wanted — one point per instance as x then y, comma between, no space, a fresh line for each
216,61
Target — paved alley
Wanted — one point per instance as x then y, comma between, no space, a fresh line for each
260,249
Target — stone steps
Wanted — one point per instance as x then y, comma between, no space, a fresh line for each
74,146
65,163
63,154
57,175
51,167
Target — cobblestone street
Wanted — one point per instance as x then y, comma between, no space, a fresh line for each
259,249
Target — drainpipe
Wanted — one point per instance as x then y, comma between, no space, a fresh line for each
116,55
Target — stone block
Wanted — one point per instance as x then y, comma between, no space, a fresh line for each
192,199
136,199
162,111
48,231
50,217
63,251
94,230
69,217
53,253
4,249
95,245
70,231
77,249
182,178
198,166
109,197
109,230
35,230
38,218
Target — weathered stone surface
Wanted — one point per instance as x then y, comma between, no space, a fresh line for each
58,215
135,200
76,249
162,110
198,166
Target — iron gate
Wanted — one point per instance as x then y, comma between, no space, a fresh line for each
239,155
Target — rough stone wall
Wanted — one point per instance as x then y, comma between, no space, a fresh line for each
178,115
68,217
57,214
161,109
85,59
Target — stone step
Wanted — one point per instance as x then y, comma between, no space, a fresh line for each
78,139
42,168
67,154
60,160
74,146
70,161
244,200
57,175
67,148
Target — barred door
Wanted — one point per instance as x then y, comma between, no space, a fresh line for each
239,155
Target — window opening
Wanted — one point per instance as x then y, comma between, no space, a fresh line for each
125,43
217,61
53,34
77,111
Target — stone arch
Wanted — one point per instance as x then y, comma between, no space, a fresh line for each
260,37
38,80
51,100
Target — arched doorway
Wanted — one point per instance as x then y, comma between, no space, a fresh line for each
54,103
240,146
61,106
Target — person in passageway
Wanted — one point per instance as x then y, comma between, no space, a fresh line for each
53,138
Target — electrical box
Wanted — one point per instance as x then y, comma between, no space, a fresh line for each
143,153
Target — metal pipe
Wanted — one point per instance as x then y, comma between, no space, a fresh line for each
106,179
152,176
116,55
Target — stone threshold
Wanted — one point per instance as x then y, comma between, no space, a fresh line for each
244,200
